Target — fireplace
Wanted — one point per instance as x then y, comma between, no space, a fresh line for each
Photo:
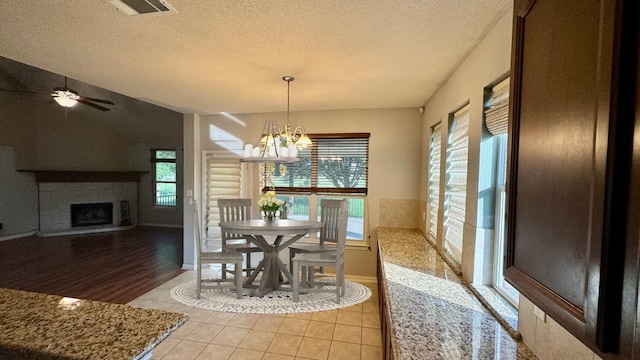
91,214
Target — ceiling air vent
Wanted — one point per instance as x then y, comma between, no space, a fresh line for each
142,7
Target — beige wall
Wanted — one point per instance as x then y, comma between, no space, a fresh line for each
394,157
546,338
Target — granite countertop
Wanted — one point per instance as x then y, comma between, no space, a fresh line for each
39,326
432,313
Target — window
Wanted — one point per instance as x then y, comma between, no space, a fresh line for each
336,166
496,120
434,180
222,180
164,180
455,196
499,282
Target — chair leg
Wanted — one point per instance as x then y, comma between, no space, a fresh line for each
238,279
342,280
304,278
292,254
296,282
224,271
199,280
248,263
339,284
311,276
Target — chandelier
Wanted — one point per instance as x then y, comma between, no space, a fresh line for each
278,145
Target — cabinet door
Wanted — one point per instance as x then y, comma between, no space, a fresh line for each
561,82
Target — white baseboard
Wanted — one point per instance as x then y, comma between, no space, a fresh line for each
17,236
84,230
162,225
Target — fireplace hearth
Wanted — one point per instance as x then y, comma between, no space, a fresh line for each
91,214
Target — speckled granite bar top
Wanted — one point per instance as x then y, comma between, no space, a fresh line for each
39,326
431,312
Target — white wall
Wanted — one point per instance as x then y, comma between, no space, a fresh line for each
192,173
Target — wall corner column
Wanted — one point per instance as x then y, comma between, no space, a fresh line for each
192,173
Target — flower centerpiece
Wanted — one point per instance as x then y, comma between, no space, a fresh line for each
270,206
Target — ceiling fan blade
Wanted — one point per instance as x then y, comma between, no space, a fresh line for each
24,91
83,101
102,101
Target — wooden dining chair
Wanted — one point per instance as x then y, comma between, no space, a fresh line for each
330,215
204,257
310,260
232,210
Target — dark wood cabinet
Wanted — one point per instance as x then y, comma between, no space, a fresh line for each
387,349
574,184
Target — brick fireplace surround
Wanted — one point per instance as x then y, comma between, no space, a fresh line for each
58,190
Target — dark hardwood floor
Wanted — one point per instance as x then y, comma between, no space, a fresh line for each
114,267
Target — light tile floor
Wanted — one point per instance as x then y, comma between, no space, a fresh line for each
347,333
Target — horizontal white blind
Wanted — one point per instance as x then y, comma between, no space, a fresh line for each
334,164
223,176
434,179
456,182
496,115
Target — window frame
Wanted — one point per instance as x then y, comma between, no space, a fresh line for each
455,118
498,281
209,210
154,182
314,192
496,122
434,189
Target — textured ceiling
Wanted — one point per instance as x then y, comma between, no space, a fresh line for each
229,56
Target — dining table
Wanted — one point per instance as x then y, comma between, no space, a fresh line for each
281,234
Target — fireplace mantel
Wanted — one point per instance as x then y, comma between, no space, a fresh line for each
53,176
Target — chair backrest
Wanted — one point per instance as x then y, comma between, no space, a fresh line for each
342,230
331,212
232,210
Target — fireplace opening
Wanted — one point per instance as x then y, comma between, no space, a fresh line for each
91,214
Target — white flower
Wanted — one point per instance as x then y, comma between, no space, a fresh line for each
269,201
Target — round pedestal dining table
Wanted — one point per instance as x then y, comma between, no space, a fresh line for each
286,232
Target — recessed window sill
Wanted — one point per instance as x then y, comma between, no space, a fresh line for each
503,310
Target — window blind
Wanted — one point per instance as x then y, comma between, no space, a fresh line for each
496,115
434,179
456,182
334,164
223,181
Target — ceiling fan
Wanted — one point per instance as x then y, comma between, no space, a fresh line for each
67,97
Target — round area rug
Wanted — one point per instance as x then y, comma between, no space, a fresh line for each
276,302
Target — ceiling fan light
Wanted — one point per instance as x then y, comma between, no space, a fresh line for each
65,101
